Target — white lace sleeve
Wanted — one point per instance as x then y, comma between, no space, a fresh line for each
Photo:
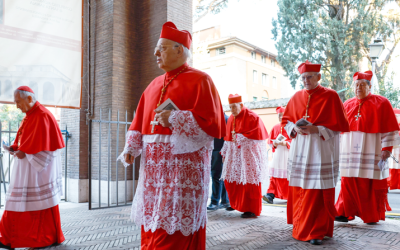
42,159
133,146
290,128
390,139
187,136
224,149
326,133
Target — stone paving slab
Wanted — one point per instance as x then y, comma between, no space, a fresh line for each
111,229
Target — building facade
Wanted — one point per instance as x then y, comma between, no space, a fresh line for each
237,66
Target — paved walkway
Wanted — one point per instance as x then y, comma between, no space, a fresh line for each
111,229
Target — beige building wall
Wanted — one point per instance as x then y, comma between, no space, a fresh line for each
233,71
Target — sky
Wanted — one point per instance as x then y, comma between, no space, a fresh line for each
251,20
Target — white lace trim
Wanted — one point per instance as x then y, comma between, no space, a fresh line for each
245,161
172,192
187,136
133,146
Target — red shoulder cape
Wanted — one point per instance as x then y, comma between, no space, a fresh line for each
192,90
326,109
38,132
248,124
377,115
276,130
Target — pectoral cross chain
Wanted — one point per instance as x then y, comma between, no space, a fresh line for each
153,124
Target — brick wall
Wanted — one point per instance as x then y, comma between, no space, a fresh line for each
123,36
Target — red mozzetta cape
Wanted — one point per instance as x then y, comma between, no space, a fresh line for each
192,90
248,124
377,115
276,130
39,131
326,109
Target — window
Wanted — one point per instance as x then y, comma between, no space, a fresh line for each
263,59
253,55
220,51
254,98
8,89
34,87
274,83
264,98
265,95
255,80
48,92
264,80
272,62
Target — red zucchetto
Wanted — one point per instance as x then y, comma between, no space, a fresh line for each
280,110
234,98
169,31
25,88
309,67
367,75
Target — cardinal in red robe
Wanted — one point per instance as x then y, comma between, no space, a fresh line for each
394,170
245,159
176,121
280,144
313,119
364,154
31,217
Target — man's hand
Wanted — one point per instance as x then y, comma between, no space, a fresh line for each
162,117
384,155
306,130
129,159
7,148
275,143
19,154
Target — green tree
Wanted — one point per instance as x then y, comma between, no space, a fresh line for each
388,90
330,32
10,113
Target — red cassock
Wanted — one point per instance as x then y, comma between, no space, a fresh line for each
39,131
394,173
363,197
193,91
312,211
278,186
246,197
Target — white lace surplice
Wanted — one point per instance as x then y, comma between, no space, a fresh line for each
278,168
360,153
174,176
245,161
36,182
313,159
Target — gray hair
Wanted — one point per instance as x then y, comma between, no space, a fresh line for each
24,94
186,51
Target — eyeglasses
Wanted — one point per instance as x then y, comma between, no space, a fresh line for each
163,48
307,77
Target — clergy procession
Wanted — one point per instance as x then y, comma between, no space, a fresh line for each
185,140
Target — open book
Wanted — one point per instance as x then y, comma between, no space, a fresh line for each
167,105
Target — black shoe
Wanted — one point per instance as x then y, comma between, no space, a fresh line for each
316,242
372,223
5,247
341,219
229,209
246,215
268,198
224,205
212,207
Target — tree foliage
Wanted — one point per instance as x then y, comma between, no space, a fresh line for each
331,32
10,113
204,7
